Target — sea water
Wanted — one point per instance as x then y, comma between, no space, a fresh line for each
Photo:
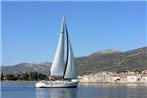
24,89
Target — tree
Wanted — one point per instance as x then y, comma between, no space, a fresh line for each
42,77
34,76
11,77
2,76
25,76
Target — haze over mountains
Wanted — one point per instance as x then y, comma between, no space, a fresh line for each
104,60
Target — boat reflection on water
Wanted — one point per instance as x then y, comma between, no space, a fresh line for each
56,92
95,90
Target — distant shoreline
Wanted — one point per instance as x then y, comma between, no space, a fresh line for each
81,82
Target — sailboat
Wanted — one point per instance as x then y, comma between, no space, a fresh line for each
62,73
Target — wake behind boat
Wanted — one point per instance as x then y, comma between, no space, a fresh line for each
62,74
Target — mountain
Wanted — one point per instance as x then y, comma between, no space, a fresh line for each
103,60
27,68
106,51
114,61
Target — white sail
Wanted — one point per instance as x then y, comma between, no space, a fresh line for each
57,67
70,71
66,71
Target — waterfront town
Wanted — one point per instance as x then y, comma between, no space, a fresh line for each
115,77
99,77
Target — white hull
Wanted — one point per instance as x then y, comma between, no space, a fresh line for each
57,84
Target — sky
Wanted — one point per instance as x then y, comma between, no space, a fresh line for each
30,30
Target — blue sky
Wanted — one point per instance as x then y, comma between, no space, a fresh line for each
30,30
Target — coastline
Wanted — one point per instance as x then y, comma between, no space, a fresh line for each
83,82
114,77
128,77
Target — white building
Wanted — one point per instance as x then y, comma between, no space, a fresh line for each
116,78
132,78
144,78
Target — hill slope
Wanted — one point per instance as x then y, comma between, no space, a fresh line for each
27,68
115,61
109,59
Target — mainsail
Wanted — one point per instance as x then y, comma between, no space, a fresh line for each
58,66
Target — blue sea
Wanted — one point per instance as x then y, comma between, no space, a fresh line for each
26,89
